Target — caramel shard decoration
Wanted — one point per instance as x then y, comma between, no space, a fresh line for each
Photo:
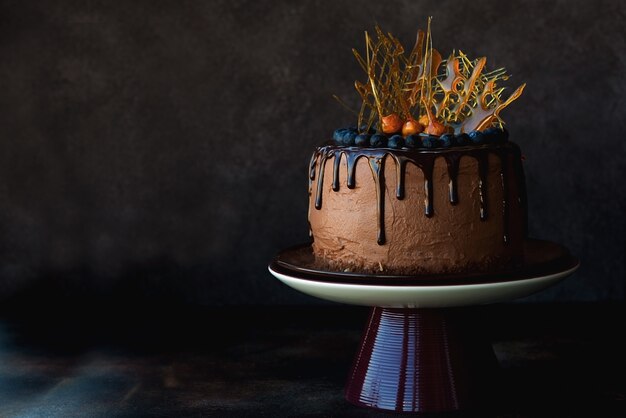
487,112
471,100
451,95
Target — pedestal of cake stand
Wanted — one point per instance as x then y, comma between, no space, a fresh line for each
422,360
421,351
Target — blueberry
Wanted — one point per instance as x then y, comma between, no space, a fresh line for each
477,137
348,138
462,139
370,131
338,135
493,135
396,141
413,141
362,140
430,141
378,141
505,135
446,140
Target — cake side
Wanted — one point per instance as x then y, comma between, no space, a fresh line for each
416,211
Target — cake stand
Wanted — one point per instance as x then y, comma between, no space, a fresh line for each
422,350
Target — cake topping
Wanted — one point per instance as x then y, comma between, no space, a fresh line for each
421,93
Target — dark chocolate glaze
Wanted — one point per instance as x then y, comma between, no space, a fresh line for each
510,163
504,168
482,183
453,171
377,165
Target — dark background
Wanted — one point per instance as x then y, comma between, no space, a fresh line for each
158,150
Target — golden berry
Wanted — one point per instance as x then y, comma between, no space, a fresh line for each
391,123
411,126
435,128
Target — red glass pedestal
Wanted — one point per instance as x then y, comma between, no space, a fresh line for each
422,360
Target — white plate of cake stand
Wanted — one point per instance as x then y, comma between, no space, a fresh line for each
422,350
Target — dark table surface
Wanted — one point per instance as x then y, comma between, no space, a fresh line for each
557,360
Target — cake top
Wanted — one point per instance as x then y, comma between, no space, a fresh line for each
419,99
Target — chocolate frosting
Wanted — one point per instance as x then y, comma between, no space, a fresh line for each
341,231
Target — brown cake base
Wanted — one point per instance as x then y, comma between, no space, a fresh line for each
417,211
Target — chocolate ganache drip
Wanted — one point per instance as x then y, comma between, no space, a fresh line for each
510,161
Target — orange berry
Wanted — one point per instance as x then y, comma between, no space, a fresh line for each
411,126
435,128
391,123
424,121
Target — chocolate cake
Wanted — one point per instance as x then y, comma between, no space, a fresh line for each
427,182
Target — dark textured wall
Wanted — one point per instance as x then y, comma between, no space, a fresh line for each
158,149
